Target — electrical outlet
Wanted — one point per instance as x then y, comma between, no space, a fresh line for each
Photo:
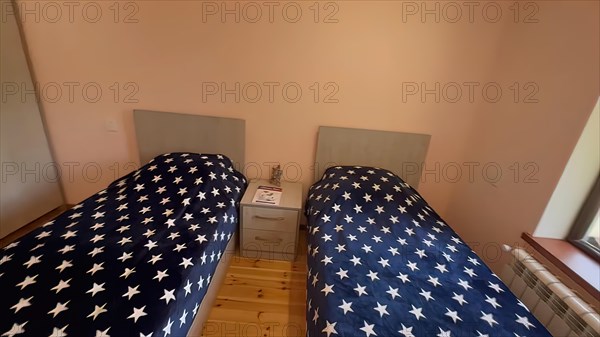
111,125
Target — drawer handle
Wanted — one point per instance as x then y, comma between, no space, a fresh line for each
259,238
260,217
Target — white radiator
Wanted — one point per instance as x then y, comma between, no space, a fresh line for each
557,307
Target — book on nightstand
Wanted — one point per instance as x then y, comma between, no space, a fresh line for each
267,195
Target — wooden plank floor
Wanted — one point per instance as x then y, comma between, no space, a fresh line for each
261,298
33,225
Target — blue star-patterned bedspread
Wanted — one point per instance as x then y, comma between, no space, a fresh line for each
383,263
133,260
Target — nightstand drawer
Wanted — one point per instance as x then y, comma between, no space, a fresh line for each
268,241
270,219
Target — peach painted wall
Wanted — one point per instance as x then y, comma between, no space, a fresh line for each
373,53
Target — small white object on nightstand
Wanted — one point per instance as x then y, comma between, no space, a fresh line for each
271,231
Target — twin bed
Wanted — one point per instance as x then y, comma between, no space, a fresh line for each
382,262
145,256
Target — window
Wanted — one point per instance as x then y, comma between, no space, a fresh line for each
585,232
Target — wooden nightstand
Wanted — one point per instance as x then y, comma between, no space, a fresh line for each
271,231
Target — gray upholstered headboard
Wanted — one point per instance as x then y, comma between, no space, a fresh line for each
163,132
399,152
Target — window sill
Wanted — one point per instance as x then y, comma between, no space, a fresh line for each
576,264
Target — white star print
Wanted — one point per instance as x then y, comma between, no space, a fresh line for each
96,251
69,234
346,306
125,257
492,301
188,288
342,274
496,287
200,282
56,332
97,311
417,312
60,307
372,275
355,260
403,277
382,309
28,280
127,272
23,302
125,240
412,266
489,318
61,285
131,292
470,272
168,295
327,289
441,268
160,275
6,258
183,317
316,315
16,329
151,244
360,290
96,288
33,260
393,292
186,263
368,329
524,321
434,281
464,284
453,315
155,258
137,313
330,328
426,295
459,298
443,333
406,331
326,260
473,261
